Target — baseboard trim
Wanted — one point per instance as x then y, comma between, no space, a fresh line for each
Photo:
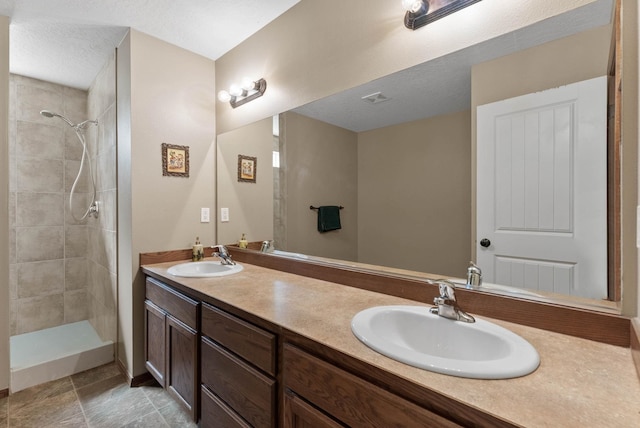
635,343
142,379
135,381
4,393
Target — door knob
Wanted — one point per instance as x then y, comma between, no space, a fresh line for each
485,243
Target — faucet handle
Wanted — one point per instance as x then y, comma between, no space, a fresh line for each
223,254
446,304
445,287
222,250
446,291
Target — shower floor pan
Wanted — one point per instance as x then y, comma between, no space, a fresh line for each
53,353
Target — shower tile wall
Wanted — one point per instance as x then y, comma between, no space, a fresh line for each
48,268
102,248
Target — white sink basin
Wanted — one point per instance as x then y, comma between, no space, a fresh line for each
204,269
414,336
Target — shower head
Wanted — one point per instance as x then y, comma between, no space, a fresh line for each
82,125
47,113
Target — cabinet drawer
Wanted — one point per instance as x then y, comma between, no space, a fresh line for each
299,414
180,306
216,414
248,341
352,400
246,390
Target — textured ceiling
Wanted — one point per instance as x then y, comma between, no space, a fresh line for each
443,85
68,41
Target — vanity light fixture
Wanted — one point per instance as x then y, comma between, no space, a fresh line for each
420,12
416,14
240,94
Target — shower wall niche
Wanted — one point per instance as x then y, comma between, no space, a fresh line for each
61,270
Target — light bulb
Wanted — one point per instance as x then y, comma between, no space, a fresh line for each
224,96
412,5
235,90
248,84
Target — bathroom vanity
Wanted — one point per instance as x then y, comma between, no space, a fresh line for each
276,349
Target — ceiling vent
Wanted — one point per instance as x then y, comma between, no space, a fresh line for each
376,98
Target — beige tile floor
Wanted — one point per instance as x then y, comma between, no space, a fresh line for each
95,398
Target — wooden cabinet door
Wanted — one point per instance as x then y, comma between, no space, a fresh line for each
300,414
182,364
155,341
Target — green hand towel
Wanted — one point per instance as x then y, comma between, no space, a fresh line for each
328,218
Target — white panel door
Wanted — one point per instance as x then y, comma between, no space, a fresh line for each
541,190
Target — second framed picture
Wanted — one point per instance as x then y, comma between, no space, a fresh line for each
247,167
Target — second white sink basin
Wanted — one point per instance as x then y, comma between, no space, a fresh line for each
203,269
414,336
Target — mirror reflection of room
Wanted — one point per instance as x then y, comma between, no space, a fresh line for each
402,162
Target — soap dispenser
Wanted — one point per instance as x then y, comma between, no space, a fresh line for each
243,242
198,251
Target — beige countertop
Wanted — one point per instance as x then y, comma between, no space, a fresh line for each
579,383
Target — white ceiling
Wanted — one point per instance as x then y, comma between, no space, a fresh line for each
68,41
443,85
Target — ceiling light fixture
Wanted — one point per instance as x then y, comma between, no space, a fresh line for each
419,12
249,90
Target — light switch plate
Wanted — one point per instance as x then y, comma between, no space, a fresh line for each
204,215
224,214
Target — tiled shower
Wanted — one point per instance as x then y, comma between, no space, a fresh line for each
62,271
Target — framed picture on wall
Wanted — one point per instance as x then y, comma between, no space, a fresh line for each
175,160
247,166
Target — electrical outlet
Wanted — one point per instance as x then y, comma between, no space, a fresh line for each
204,215
224,214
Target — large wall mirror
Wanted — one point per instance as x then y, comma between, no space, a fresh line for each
399,155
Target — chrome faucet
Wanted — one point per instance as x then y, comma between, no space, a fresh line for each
446,304
474,276
223,254
267,246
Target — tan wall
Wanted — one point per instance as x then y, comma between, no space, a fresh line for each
637,120
321,165
4,208
320,47
165,95
630,294
250,204
414,193
568,60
